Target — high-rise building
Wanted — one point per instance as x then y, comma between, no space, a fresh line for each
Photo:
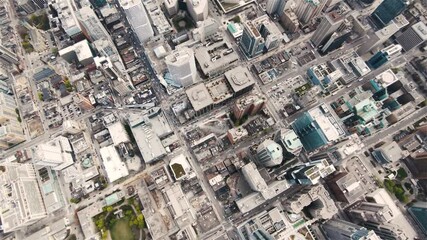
289,141
387,11
91,26
381,57
418,211
251,42
138,19
413,36
198,9
21,202
329,24
330,4
259,35
338,229
375,39
372,212
275,7
182,66
249,105
10,128
7,57
289,21
27,5
310,173
56,153
307,10
67,17
269,153
171,6
40,3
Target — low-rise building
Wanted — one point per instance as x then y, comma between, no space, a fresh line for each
235,135
113,164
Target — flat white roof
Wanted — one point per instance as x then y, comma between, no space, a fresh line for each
325,124
118,133
82,50
113,164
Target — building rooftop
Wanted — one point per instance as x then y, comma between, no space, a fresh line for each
82,50
327,124
113,164
180,166
239,78
199,97
204,58
56,153
118,133
346,187
21,202
418,211
145,130
387,153
291,141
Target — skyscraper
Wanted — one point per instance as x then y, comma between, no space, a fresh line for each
198,9
307,10
275,7
383,56
182,66
269,153
413,36
138,19
337,229
310,173
329,24
7,57
21,200
259,35
252,42
10,128
387,11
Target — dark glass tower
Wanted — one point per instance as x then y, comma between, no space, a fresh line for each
387,11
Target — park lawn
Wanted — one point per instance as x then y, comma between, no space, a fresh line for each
121,230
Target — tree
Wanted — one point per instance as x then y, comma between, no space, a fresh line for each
75,200
140,223
40,96
100,223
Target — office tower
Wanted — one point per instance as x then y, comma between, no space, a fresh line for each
252,42
198,9
418,211
21,202
307,10
387,11
259,35
381,57
269,153
330,4
27,5
40,3
370,212
289,141
138,19
317,128
7,57
182,66
275,7
171,6
376,39
329,24
10,128
92,28
335,41
310,173
249,105
345,187
67,17
413,36
56,153
289,21
337,229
